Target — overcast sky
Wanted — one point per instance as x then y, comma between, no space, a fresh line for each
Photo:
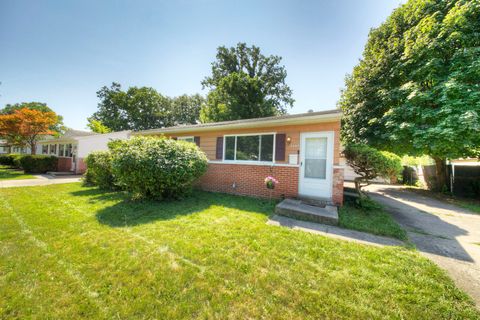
62,52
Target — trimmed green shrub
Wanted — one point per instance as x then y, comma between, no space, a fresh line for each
16,160
152,167
37,163
393,167
99,169
7,160
369,163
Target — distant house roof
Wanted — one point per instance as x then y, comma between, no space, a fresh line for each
69,135
77,133
289,119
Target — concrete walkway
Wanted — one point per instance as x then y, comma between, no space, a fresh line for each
334,232
445,233
40,180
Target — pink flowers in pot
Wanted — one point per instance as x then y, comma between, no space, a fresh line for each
270,182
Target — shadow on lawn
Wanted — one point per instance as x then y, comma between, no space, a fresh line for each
126,212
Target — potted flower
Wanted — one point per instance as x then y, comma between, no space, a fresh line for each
270,182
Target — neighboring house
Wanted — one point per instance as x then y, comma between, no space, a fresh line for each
72,147
301,151
6,148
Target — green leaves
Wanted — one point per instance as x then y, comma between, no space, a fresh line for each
141,108
245,84
153,167
417,88
370,163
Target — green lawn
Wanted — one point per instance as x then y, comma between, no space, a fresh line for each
71,252
7,173
375,221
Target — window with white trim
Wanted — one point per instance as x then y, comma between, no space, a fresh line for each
44,148
249,147
53,149
61,150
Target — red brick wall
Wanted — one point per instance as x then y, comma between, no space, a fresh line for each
81,166
64,164
249,179
337,191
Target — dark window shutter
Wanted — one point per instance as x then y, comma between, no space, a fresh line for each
197,140
280,147
219,153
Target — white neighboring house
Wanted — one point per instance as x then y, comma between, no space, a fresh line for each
5,148
72,148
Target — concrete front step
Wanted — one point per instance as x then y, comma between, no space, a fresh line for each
60,173
298,209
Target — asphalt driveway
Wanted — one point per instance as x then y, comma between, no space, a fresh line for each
446,234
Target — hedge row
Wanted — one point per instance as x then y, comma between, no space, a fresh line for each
30,163
148,167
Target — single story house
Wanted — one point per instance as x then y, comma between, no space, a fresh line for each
6,148
72,147
301,151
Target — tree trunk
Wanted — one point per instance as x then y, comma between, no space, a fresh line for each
358,186
440,173
33,148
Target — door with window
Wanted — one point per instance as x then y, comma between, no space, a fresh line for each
316,165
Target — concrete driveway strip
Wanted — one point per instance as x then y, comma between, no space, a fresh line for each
446,234
41,180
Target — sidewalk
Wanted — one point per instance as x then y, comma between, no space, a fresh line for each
334,232
41,180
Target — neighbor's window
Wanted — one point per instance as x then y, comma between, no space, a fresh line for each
45,149
61,150
68,150
53,149
188,139
249,147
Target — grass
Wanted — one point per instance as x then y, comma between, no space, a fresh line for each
375,221
470,204
7,173
72,252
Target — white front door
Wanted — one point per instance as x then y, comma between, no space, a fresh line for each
316,165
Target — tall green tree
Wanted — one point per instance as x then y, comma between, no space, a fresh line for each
141,108
417,88
242,77
97,126
185,109
57,128
237,96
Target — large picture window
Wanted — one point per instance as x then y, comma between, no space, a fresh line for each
258,147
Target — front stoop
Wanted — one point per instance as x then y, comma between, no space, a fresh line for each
60,173
298,209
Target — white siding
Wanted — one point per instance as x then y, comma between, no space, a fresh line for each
98,142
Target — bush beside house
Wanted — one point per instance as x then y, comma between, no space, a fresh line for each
369,163
99,169
148,167
30,163
7,160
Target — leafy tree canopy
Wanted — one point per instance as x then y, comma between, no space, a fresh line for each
57,128
25,127
417,88
143,108
97,126
237,96
243,76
